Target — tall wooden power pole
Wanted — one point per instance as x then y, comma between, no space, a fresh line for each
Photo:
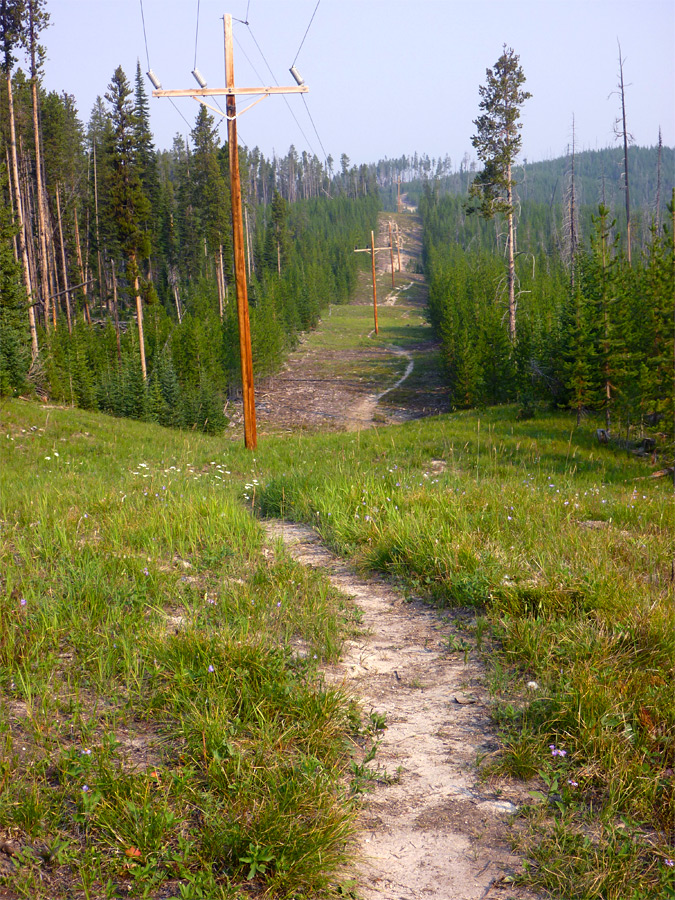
230,93
372,249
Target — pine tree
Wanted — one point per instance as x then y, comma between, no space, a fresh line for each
129,208
497,143
144,151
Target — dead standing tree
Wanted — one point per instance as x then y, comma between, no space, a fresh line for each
621,132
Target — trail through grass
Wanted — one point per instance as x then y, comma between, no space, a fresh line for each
565,549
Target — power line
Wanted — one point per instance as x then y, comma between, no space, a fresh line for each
145,36
325,155
288,105
305,35
196,34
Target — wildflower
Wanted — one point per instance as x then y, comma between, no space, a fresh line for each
210,669
532,686
669,862
85,752
85,788
278,604
572,783
145,571
23,601
555,752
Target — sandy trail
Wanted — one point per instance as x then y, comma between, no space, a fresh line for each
432,833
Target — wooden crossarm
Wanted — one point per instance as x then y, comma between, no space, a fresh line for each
232,91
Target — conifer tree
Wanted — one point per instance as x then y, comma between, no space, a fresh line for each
128,206
144,149
497,142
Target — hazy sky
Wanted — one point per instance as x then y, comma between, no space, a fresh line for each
386,77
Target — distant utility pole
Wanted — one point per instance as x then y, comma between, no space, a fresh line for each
391,253
398,199
230,92
372,249
398,247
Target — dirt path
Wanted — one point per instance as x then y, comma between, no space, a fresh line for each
429,830
327,388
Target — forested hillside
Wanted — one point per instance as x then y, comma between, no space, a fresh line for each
598,176
117,265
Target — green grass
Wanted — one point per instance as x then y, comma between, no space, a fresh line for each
567,548
163,722
158,634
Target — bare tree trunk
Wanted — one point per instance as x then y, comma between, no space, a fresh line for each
83,274
222,275
658,184
20,220
116,314
27,202
572,213
139,315
39,179
101,283
624,134
53,274
511,258
608,384
219,283
10,186
64,264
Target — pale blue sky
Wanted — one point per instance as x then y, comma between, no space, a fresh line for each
386,77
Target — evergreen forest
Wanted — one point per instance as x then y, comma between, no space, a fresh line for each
117,271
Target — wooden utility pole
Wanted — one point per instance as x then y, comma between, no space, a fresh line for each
372,249
398,247
230,93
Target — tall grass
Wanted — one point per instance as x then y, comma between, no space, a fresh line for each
163,724
567,547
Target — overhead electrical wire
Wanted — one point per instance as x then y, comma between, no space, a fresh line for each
306,32
196,34
288,105
145,36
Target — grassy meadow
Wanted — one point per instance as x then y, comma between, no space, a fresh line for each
164,727
564,549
